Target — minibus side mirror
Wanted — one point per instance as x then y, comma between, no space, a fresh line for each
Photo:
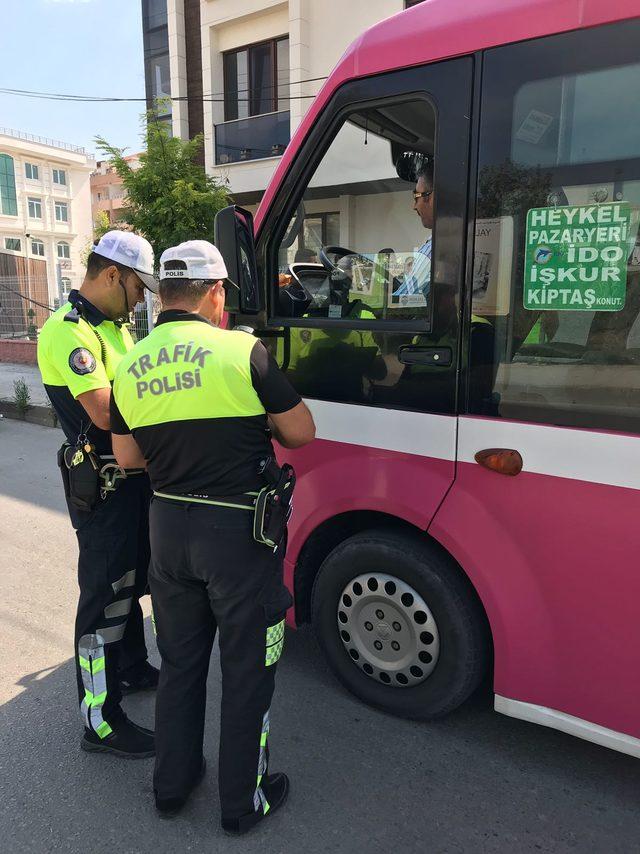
233,230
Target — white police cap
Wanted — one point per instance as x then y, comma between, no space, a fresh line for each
200,260
130,250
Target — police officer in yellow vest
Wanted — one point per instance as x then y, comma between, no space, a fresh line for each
196,404
79,349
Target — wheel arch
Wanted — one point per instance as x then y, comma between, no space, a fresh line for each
335,530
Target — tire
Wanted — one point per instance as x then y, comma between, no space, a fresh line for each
438,631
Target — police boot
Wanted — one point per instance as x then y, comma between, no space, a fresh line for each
170,807
140,677
276,789
126,739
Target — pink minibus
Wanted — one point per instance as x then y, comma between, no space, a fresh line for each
445,264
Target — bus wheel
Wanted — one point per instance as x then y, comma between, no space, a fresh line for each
399,625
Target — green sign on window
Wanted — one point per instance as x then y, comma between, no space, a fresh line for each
576,257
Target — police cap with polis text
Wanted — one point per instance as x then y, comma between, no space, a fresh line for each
197,259
131,250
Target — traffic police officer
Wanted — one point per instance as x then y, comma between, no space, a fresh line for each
195,403
79,349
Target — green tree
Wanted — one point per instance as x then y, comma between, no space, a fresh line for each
101,225
170,197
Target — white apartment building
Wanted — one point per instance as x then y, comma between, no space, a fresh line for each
45,205
253,53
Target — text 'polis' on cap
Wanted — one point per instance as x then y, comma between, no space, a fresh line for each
200,260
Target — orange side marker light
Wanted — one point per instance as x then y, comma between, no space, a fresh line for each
501,460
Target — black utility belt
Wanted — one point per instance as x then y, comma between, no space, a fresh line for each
246,501
87,476
271,507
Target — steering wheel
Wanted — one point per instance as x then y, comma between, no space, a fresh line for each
340,252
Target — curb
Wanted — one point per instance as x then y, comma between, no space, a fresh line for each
42,415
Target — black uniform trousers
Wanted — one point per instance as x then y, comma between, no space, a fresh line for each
208,573
113,566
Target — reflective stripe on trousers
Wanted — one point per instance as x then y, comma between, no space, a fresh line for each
259,799
92,667
275,643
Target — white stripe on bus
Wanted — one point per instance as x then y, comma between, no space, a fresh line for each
606,458
387,429
568,723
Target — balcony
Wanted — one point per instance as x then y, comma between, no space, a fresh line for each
254,138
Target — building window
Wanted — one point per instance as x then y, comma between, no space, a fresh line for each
8,199
154,14
156,58
256,79
13,244
37,248
35,208
160,80
62,212
60,177
31,171
65,284
320,229
63,250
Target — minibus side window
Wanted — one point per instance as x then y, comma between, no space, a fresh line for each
556,274
359,246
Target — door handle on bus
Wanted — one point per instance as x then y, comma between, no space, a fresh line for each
501,460
439,357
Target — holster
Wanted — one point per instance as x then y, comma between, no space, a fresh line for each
80,475
274,504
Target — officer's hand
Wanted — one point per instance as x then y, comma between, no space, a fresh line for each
293,428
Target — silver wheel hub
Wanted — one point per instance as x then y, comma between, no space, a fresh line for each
388,630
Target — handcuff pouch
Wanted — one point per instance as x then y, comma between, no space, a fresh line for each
82,468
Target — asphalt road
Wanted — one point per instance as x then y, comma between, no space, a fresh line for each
361,781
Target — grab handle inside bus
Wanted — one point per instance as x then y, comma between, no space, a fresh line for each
439,357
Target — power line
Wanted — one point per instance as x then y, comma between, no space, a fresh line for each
215,98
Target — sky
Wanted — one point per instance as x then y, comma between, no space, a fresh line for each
79,47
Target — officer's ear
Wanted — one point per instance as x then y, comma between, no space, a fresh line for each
216,294
112,274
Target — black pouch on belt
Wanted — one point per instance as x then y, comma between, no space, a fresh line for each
64,471
273,504
82,474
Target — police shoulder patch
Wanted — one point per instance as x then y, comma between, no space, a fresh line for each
82,361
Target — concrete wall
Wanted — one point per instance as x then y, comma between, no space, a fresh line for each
18,352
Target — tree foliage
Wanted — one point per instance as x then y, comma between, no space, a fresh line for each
512,189
170,197
101,225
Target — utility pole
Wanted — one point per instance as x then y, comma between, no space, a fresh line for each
26,252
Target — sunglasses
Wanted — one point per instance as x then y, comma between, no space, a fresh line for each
424,195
